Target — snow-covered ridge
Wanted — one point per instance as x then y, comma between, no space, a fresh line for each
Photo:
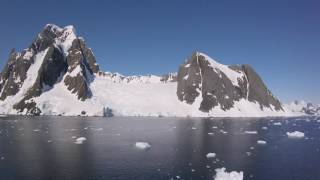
233,75
65,36
145,79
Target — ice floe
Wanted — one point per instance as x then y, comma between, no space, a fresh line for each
277,124
222,174
80,140
142,145
211,155
261,142
295,135
251,132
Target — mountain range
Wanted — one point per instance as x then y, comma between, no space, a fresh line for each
58,75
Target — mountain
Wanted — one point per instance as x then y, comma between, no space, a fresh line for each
58,75
303,108
219,85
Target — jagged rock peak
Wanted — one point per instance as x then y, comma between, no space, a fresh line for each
203,79
56,54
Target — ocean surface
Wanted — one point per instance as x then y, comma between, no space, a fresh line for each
41,148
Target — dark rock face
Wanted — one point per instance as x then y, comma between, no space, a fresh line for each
75,63
79,72
213,81
258,90
14,73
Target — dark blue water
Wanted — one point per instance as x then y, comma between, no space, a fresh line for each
44,148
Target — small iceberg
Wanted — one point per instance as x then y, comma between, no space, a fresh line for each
142,145
80,140
222,174
277,124
211,155
251,132
261,142
295,135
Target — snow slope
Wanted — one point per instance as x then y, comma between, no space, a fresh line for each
148,98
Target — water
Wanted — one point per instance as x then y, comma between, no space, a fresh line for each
44,148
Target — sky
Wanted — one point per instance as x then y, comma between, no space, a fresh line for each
280,39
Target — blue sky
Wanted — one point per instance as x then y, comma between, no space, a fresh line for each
280,39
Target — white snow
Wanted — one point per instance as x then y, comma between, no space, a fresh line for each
142,145
222,174
28,55
80,140
211,155
66,39
76,71
295,135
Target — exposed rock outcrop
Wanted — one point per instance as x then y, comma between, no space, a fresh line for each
216,84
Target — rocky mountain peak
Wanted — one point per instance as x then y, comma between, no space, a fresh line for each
56,54
204,80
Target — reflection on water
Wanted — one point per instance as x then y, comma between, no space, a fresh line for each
44,148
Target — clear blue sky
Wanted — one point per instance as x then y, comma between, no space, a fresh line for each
280,39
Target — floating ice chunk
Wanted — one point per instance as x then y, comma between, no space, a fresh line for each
223,132
264,128
142,145
36,130
277,124
251,132
194,128
211,155
97,129
80,140
211,134
261,142
222,174
295,135
214,127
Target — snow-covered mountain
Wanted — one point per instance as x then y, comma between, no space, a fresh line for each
303,108
58,75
